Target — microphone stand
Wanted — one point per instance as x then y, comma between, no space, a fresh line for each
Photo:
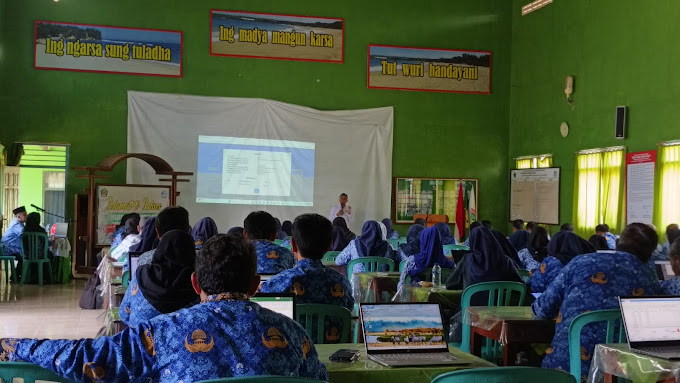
69,220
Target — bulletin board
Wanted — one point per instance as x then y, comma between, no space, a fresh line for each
535,195
434,196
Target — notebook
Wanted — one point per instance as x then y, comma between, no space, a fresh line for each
664,270
281,303
652,325
405,334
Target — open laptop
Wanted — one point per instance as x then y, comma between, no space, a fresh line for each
282,303
265,276
134,259
652,325
405,334
664,270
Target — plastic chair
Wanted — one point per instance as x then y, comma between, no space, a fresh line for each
29,372
309,310
524,274
500,294
278,242
371,264
402,264
9,265
330,256
125,279
505,375
35,254
609,316
426,275
266,378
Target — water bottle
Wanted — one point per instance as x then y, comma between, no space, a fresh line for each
437,275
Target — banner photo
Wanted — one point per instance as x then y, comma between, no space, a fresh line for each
284,37
95,48
431,70
114,201
640,186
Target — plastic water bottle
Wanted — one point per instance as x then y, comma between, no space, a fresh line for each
437,275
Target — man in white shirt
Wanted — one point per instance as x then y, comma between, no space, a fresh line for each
343,210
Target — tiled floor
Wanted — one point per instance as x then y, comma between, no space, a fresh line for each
48,312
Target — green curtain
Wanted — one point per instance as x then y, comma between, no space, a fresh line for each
667,199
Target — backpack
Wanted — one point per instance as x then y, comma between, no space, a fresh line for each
88,299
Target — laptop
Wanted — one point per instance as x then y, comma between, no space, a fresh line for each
282,303
60,230
134,259
664,270
265,276
652,325
405,334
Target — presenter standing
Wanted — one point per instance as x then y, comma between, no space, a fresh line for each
343,210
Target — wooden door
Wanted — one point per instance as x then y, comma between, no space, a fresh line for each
10,193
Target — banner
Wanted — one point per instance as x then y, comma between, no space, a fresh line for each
115,201
95,48
640,186
264,35
432,70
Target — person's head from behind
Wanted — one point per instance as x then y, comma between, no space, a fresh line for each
599,242
33,219
312,236
475,224
601,229
517,225
343,199
172,218
287,227
674,256
226,264
259,225
672,231
236,230
141,224
567,227
420,221
538,238
132,226
531,226
487,224
638,239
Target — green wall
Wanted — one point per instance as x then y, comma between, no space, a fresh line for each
436,134
31,188
620,53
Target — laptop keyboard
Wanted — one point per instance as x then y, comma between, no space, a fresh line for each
663,350
410,357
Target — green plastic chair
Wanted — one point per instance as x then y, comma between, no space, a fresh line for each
29,372
266,378
609,316
278,242
35,254
394,243
500,294
524,274
330,256
9,265
402,264
505,375
309,311
371,264
125,279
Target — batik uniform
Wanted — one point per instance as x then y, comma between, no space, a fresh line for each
671,286
272,258
11,241
135,309
312,282
350,253
666,249
590,282
657,255
544,274
225,336
528,261
611,240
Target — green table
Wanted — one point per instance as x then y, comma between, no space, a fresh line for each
617,360
447,299
365,370
374,287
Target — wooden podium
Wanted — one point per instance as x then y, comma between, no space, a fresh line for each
432,219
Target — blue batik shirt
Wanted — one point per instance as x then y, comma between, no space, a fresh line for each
226,336
350,253
671,286
272,258
666,249
135,309
528,261
611,240
657,255
546,272
11,241
590,282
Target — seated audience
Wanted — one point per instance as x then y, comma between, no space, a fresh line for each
33,226
531,226
204,229
225,335
280,234
519,239
121,231
593,282
148,240
164,285
420,221
507,247
170,218
672,286
391,233
341,223
430,253
472,226
598,242
412,245
672,231
260,228
486,223
236,230
370,244
287,228
11,240
603,231
563,247
131,238
445,233
339,239
567,227
532,256
660,253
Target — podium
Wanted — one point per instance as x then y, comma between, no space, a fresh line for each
432,219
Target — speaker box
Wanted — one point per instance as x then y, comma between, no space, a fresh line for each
621,115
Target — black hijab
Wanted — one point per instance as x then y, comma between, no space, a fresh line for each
566,245
538,243
33,224
487,261
166,281
236,230
339,239
507,248
149,237
280,234
341,223
287,228
598,242
131,226
412,245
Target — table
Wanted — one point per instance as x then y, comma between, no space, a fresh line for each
447,299
508,325
375,286
365,370
617,360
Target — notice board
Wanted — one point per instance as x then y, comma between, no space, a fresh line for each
535,195
640,186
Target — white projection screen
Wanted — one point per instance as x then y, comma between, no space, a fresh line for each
256,154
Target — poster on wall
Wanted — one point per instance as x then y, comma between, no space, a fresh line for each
434,196
431,70
114,201
96,48
640,186
272,36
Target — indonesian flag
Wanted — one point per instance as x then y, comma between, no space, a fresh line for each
460,212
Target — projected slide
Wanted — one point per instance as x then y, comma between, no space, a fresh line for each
251,171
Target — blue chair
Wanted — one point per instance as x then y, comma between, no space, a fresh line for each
505,375
28,371
265,378
317,314
610,316
34,250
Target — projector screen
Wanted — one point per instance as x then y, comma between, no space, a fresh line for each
255,154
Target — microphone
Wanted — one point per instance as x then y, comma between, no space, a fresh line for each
37,208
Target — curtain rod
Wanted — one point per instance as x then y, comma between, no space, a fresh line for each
602,150
669,143
534,156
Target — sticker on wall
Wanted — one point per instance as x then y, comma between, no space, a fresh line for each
284,37
431,70
96,48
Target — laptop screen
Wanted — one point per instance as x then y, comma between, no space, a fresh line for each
664,270
60,230
280,303
397,327
134,259
651,319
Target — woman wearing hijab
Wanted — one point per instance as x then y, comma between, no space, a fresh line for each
131,238
236,230
164,285
341,223
287,228
598,242
430,253
370,244
148,240
391,233
280,234
203,231
339,239
519,239
445,232
412,245
537,249
508,249
563,247
33,226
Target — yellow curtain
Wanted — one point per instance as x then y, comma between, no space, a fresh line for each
612,200
546,162
667,207
524,164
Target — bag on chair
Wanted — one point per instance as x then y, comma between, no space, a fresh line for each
88,299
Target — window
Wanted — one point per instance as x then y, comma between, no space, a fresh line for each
667,209
533,162
54,196
598,190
